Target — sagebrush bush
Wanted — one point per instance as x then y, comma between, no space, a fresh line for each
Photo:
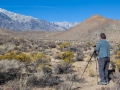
16,55
118,53
52,45
116,79
88,43
64,45
79,56
40,56
67,57
40,79
67,60
73,77
62,68
45,68
67,54
11,69
117,63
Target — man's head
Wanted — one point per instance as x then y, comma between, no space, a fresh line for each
102,36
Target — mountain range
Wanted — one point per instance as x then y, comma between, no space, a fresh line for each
65,24
18,22
87,31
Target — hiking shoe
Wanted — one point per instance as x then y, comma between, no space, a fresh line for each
102,83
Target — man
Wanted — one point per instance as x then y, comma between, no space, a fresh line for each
103,49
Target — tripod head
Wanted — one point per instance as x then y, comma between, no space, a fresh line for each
95,54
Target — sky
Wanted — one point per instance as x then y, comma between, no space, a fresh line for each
64,10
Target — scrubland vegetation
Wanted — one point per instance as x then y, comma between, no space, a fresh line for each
50,65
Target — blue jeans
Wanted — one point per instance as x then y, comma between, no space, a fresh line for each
103,69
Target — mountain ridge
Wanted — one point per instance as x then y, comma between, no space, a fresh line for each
90,29
23,23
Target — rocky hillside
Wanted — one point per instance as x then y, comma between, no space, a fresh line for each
91,28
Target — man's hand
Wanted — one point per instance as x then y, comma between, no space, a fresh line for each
94,45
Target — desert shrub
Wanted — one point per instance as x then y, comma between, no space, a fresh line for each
117,63
23,57
116,79
64,45
45,68
118,53
111,66
16,55
67,54
67,60
62,68
85,48
79,56
73,48
52,45
48,52
1,42
2,51
40,56
45,47
10,69
75,78
88,43
40,79
67,57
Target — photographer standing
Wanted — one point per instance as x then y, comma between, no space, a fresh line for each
103,48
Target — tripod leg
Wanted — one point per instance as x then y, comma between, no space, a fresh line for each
96,70
87,65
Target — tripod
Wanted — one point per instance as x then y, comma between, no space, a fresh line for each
94,53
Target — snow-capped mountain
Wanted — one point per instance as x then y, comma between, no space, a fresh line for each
15,16
65,24
18,22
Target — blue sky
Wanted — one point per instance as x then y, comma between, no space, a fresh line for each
64,10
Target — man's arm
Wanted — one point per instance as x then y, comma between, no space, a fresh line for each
97,48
